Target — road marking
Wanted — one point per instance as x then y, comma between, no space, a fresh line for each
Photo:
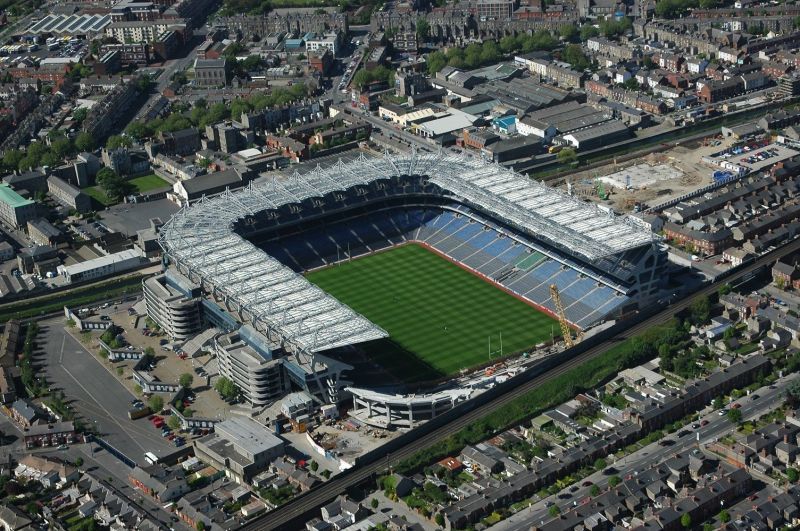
110,415
61,354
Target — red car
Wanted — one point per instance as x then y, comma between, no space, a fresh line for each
704,423
737,405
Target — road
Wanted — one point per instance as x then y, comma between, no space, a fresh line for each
299,509
98,397
392,131
651,455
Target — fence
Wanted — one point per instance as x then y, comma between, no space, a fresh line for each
112,450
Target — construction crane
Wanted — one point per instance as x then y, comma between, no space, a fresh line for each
562,318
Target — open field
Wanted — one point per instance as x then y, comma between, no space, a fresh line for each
142,184
440,317
146,183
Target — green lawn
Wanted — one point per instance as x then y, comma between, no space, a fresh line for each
97,193
146,183
440,317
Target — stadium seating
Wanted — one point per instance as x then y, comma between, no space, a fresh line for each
517,263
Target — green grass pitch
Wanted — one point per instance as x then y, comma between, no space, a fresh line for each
434,311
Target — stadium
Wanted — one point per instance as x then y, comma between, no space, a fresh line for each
438,255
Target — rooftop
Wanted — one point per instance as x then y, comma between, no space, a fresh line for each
12,198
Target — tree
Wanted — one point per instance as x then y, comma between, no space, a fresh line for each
173,422
156,403
200,526
725,289
719,403
118,141
137,389
567,156
569,32
686,520
11,159
613,481
84,142
120,371
588,31
188,413
79,461
436,61
439,519
573,54
374,503
186,380
326,473
724,516
554,511
226,388
600,464
314,466
423,29
594,491
700,310
139,130
729,333
792,475
114,186
734,415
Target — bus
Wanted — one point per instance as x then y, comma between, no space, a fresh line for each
151,458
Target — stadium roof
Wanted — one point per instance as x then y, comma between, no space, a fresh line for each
276,300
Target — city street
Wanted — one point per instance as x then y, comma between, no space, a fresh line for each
652,454
95,393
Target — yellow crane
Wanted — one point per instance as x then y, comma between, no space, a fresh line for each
562,318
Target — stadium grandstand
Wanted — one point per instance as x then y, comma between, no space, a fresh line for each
248,248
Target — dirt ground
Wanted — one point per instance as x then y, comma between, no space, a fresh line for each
686,159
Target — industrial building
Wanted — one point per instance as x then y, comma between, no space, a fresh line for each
241,447
102,266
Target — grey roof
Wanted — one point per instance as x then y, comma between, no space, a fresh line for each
64,186
211,181
610,127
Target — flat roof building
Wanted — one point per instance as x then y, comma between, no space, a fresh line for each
103,266
240,446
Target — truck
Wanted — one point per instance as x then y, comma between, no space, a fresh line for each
151,458
138,412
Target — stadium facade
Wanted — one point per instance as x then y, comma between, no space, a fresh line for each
515,232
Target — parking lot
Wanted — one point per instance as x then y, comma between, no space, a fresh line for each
97,396
752,156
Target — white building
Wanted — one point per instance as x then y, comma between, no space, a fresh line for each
329,41
103,266
531,127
